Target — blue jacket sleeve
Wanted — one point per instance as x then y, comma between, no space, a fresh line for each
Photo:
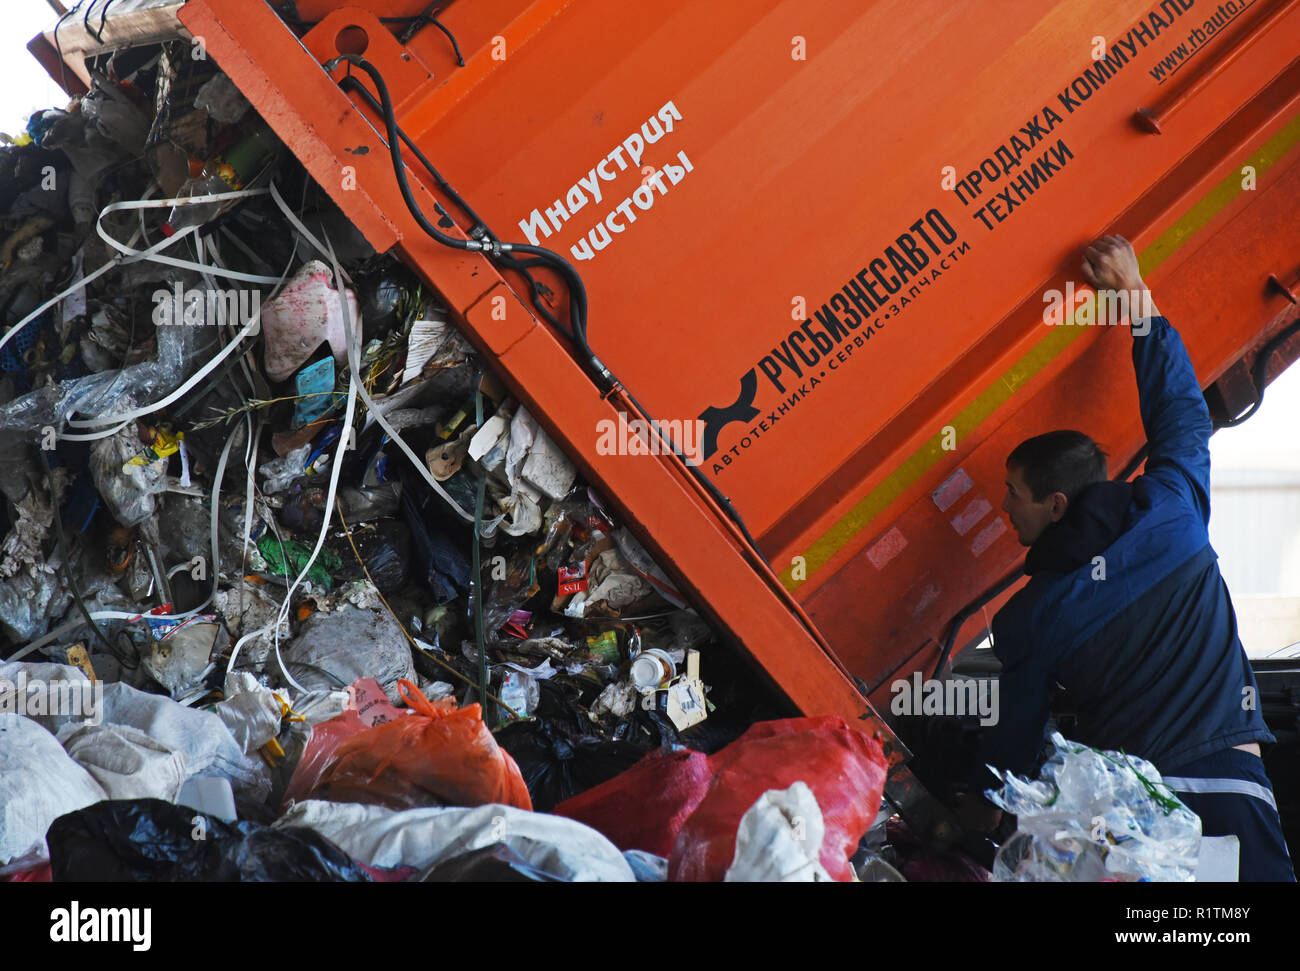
1174,414
1024,704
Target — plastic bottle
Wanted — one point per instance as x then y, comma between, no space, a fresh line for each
242,163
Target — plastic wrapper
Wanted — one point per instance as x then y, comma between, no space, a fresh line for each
1093,816
251,712
286,558
438,755
24,546
556,766
509,593
179,657
647,867
780,839
103,394
148,840
519,693
334,649
125,478
278,474
31,599
186,533
221,100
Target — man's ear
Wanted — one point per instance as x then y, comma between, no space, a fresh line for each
1059,503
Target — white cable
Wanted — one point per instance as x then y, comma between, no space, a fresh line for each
133,204
354,364
64,628
216,491
125,418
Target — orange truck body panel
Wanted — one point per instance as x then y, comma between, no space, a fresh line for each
844,242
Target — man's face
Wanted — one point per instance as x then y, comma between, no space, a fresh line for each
1028,517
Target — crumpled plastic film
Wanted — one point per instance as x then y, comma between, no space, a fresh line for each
1094,816
24,419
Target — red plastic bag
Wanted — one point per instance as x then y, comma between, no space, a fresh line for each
439,755
844,767
644,807
367,706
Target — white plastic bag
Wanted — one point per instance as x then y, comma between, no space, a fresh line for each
251,712
422,838
779,839
39,782
126,762
210,750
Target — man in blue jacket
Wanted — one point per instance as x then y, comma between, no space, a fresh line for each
1125,607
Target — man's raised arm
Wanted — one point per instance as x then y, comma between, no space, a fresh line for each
1174,414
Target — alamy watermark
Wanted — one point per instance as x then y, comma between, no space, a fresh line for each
1109,309
37,697
77,924
965,697
640,437
204,308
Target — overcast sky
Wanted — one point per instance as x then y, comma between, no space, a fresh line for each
24,85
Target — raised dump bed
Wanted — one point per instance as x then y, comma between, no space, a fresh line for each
834,246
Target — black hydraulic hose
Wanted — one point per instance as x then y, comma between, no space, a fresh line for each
351,83
395,149
1259,372
497,251
490,247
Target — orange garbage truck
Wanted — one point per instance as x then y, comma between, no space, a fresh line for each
820,259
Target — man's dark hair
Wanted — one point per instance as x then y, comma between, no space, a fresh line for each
1063,461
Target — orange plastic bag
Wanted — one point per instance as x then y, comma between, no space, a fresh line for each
439,755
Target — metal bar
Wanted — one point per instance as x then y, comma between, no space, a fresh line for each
1150,119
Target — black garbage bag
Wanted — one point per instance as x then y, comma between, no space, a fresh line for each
385,547
497,863
434,555
557,766
154,841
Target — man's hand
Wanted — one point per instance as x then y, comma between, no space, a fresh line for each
1110,264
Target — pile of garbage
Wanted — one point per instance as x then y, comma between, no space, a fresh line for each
1095,816
283,560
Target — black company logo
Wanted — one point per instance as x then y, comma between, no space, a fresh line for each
716,419
817,348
